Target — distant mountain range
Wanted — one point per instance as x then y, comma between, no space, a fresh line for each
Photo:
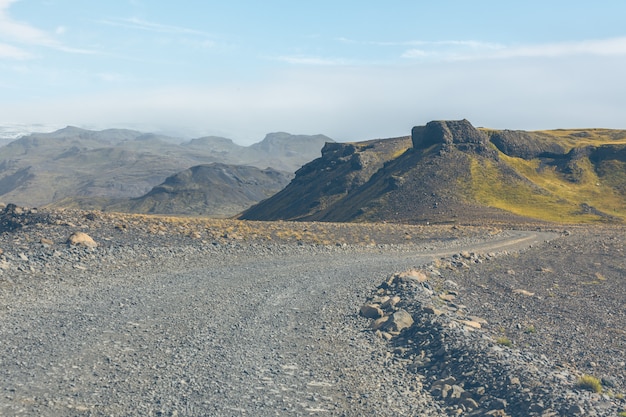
10,132
215,190
445,171
76,166
449,171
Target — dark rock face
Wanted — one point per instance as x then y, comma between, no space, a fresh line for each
525,145
325,181
608,152
446,132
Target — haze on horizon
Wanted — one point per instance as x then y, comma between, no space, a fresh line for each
352,70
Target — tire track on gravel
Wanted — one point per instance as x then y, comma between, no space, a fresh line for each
243,335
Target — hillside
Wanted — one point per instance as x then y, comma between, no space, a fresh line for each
454,172
215,190
75,165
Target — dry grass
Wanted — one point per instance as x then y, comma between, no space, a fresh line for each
589,383
571,138
317,233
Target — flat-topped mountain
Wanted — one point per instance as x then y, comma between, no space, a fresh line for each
451,171
74,165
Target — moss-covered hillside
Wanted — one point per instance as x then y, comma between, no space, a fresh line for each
456,173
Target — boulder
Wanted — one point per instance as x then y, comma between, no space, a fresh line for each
371,311
398,321
81,239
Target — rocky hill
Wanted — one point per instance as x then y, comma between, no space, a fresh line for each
215,190
452,171
75,165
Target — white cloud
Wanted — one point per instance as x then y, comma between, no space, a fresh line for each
110,77
25,34
473,50
358,102
11,52
311,60
139,24
415,53
603,47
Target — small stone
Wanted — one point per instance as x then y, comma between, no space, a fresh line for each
456,392
412,275
452,284
81,239
446,390
499,404
523,292
576,410
471,323
381,299
432,310
513,380
608,382
477,319
398,321
46,242
445,381
391,302
496,413
447,297
469,403
378,323
371,311
386,336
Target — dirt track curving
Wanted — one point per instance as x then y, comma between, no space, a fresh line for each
206,328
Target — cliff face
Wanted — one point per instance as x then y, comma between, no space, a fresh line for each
455,172
446,132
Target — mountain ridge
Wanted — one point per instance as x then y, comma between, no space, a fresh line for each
74,163
453,172
215,190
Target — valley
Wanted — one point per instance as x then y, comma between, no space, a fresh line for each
456,271
197,316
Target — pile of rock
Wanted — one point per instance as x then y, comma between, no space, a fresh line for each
462,363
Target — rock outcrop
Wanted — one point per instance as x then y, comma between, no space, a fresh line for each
525,145
342,168
446,132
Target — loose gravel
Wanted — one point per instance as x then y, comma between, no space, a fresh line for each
165,325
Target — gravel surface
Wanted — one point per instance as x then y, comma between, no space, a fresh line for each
164,324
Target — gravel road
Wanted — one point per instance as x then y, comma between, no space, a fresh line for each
257,330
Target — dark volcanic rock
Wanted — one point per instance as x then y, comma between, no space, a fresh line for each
608,152
525,145
446,132
342,168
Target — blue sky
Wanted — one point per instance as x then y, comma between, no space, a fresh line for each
353,70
